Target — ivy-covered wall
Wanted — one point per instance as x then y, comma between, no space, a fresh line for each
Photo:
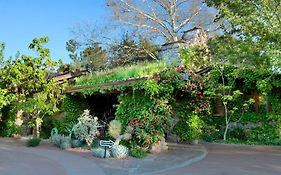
177,100
258,122
150,108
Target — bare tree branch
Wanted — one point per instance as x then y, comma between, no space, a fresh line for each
148,16
167,17
185,22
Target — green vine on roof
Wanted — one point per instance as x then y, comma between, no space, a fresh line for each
121,74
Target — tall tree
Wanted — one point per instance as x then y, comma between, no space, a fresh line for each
131,51
5,97
251,38
94,57
72,46
26,80
252,26
90,55
165,19
2,48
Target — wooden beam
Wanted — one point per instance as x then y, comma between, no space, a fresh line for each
104,85
63,77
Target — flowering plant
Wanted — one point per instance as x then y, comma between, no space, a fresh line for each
199,102
149,127
149,109
181,79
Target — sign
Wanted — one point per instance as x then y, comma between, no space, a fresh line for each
106,143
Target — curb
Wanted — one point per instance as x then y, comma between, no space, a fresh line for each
183,164
198,152
177,146
256,147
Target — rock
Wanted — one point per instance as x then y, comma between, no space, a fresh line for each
159,147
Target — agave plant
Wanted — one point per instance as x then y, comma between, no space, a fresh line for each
119,151
100,152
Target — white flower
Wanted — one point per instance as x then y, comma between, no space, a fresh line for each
19,113
18,121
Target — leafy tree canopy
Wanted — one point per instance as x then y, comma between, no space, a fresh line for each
252,31
90,56
25,85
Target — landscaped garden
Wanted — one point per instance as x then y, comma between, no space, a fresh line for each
225,89
223,103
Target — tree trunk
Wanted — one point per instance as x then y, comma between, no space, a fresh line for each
226,123
37,130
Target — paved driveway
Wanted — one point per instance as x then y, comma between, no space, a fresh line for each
221,160
235,160
21,160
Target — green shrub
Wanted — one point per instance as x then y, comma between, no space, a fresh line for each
138,152
149,117
238,133
265,129
72,107
95,144
181,129
189,128
211,133
33,142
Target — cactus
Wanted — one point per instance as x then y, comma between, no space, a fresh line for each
99,152
59,140
54,132
119,151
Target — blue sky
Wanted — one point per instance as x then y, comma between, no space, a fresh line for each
23,20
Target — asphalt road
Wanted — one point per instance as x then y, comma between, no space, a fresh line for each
17,159
21,160
235,160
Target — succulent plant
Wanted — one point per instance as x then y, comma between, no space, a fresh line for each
75,143
99,152
114,130
65,142
55,138
87,128
119,151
